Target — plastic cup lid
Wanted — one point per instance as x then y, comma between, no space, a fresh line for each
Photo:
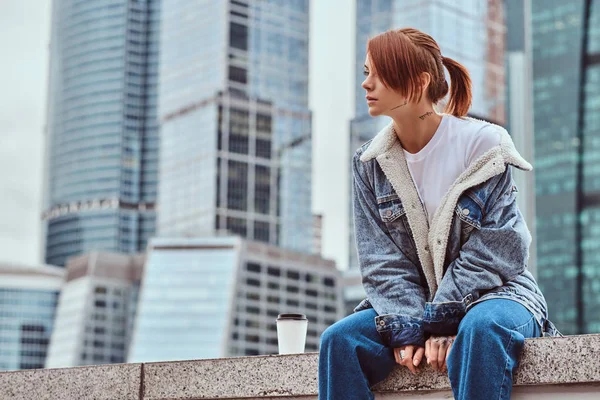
298,317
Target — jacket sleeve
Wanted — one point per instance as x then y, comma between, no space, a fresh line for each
392,282
492,256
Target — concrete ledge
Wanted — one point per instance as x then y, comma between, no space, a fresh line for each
549,365
102,382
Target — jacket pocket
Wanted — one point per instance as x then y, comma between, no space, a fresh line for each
390,208
470,210
393,214
468,213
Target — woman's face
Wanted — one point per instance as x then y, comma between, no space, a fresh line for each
381,100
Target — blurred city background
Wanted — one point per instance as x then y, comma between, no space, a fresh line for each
176,173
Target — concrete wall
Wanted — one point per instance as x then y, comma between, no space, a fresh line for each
551,368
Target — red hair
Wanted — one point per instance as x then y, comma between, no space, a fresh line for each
401,56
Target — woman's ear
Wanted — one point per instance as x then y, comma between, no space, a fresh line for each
425,80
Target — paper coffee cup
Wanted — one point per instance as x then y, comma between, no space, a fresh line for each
291,333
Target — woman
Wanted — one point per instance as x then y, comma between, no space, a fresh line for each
442,245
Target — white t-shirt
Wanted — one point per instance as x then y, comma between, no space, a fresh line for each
455,144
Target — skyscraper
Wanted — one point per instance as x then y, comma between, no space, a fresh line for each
235,124
101,131
519,103
468,31
566,73
28,297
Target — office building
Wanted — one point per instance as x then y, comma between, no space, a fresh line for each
96,310
101,130
220,297
519,103
235,125
566,93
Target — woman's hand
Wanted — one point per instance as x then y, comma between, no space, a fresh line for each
411,357
437,349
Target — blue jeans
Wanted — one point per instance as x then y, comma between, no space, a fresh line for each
480,366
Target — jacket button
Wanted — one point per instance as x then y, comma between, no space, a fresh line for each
439,241
426,248
465,211
382,322
388,213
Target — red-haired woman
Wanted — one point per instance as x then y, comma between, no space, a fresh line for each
442,246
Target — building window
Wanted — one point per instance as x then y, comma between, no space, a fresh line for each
252,310
292,289
262,194
261,231
252,338
238,131
274,271
237,74
253,267
238,36
263,148
253,282
237,186
329,282
236,225
263,124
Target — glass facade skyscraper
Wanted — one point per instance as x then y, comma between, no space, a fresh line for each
468,31
235,125
519,103
566,72
28,297
101,131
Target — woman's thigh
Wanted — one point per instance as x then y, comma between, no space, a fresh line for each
493,314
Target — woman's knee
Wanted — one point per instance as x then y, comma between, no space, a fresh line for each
350,328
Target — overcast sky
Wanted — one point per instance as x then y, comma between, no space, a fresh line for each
24,38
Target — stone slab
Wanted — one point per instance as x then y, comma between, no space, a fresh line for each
103,382
233,378
560,360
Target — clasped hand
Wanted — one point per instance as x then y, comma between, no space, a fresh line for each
436,351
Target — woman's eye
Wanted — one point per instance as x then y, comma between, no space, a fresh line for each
366,73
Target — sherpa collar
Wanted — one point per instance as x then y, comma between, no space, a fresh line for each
431,241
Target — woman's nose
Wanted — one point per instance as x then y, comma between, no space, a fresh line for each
365,84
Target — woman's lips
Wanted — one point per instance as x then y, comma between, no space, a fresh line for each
371,100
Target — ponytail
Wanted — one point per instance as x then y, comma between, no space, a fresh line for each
460,88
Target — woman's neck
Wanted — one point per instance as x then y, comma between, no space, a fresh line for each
414,132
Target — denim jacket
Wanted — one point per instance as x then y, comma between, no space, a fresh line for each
422,279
